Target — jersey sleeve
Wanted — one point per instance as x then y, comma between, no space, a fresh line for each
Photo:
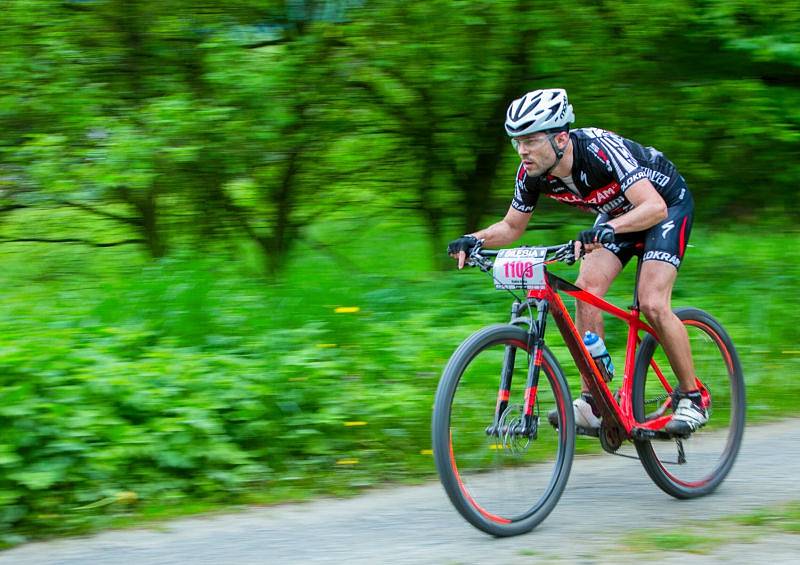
525,198
622,165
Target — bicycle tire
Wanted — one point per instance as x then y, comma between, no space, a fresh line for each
723,377
450,409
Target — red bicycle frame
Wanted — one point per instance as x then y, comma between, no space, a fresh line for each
617,413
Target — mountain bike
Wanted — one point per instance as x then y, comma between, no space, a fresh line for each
504,466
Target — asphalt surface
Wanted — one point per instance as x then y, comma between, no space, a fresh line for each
605,499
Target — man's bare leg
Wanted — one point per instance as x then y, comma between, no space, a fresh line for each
655,293
598,270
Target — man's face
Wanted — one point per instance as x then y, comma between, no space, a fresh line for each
536,153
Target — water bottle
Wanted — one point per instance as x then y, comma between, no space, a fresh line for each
597,349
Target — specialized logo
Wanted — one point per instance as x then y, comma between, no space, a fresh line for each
666,228
662,256
658,178
584,178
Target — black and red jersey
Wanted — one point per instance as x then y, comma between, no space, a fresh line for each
604,166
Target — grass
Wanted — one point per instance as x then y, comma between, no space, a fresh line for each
706,536
197,381
653,541
785,518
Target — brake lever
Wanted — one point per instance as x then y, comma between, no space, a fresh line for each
475,259
567,253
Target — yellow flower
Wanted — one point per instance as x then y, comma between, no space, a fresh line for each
347,462
356,423
326,345
347,309
126,497
426,452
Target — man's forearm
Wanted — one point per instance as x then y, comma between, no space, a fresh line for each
649,208
498,234
642,217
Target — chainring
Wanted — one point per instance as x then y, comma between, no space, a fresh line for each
611,437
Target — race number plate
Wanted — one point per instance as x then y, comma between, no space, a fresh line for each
521,268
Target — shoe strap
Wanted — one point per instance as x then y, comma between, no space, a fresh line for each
695,396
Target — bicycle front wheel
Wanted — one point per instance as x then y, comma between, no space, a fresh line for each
687,468
502,482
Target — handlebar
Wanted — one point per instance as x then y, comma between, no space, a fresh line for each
564,253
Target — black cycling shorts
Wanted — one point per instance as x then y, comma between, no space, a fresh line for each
665,241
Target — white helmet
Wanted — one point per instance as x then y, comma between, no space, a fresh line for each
540,110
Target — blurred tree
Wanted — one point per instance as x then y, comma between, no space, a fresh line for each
440,75
194,123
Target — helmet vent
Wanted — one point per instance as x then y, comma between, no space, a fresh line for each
539,110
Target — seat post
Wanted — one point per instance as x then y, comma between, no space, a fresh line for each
635,305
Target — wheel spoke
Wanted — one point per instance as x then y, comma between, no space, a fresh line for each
693,466
504,478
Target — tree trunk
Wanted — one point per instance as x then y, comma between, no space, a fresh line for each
476,186
147,222
285,230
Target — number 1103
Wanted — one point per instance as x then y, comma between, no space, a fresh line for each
519,269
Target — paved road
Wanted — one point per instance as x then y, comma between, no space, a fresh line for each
418,525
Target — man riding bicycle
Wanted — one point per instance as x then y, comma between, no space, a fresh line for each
643,208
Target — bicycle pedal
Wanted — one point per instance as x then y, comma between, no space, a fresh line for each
592,432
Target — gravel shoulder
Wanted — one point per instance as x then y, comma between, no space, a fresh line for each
605,499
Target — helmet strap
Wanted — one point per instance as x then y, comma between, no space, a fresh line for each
559,152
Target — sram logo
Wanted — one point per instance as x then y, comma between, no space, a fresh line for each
601,195
662,256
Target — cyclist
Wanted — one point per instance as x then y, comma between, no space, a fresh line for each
643,207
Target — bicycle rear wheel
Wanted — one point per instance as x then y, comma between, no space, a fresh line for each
687,468
504,484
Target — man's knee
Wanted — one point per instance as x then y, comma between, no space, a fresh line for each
655,290
655,308
598,271
595,283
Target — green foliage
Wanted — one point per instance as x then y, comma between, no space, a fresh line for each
187,123
786,517
126,385
268,159
707,536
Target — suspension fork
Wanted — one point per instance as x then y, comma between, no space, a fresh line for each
509,359
535,344
536,347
